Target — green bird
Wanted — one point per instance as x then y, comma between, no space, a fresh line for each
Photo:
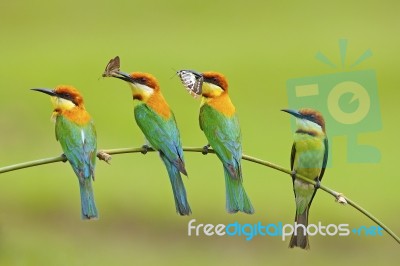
220,124
308,158
77,135
158,124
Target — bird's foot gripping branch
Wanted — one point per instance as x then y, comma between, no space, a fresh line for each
338,196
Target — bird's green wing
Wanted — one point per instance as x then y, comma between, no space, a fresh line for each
163,134
224,136
79,145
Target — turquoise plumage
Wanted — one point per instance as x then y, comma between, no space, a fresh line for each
163,136
77,135
79,146
224,135
157,122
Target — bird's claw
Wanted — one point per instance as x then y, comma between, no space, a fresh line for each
341,199
317,184
145,149
64,158
205,149
293,173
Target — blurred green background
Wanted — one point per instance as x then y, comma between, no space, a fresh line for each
258,45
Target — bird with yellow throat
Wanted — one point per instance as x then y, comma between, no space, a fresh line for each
77,135
220,124
157,122
308,158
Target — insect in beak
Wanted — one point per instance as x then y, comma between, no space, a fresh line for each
192,81
112,68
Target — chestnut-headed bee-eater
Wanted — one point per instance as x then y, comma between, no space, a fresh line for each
77,135
220,124
158,124
308,158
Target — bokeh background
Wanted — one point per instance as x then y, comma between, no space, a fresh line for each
258,45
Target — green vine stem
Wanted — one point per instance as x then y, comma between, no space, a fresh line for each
105,156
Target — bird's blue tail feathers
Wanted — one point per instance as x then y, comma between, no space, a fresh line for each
89,210
236,197
178,188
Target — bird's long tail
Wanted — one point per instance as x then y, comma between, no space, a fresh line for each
178,188
89,210
300,237
236,197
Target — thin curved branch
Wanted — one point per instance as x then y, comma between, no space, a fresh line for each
105,156
19,166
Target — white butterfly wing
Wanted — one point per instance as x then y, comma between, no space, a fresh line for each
191,82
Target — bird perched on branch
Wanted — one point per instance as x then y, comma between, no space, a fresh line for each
308,158
77,135
158,124
219,122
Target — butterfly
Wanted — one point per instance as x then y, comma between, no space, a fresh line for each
112,67
192,80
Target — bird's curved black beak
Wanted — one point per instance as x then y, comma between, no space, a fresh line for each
46,91
123,76
293,112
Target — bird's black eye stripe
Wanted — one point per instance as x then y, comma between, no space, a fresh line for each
141,80
311,117
67,96
212,80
